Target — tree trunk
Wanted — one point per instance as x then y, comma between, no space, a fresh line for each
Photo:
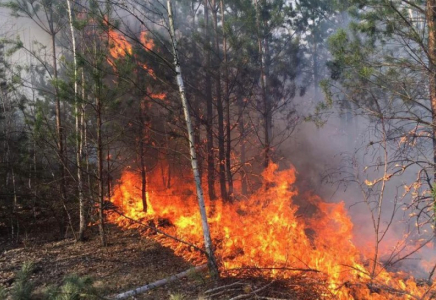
219,107
108,171
101,225
142,158
243,173
431,23
209,109
227,101
206,233
266,114
85,149
315,70
60,141
143,179
82,221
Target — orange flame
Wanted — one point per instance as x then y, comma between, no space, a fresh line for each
119,47
266,231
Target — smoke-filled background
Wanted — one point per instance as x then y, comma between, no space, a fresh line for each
332,89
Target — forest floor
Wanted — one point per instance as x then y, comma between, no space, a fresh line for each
129,261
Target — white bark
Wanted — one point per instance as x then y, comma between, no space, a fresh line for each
206,233
82,212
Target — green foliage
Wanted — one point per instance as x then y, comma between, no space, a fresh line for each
433,194
3,293
22,288
73,288
197,276
177,296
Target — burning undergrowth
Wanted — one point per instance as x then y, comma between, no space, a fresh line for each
265,234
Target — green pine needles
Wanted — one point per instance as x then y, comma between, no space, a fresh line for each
74,287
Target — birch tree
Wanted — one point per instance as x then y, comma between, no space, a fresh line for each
78,129
206,233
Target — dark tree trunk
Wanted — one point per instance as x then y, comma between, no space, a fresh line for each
143,179
242,172
209,108
101,226
108,169
315,70
60,142
227,101
143,134
431,23
219,107
266,114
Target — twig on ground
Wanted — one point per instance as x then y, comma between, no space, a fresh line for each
222,292
158,283
279,268
224,287
253,292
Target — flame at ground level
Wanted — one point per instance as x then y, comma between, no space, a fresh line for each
266,231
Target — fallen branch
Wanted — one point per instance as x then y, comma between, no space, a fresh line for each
224,287
222,292
278,268
159,283
252,293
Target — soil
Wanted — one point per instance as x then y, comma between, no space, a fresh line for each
129,261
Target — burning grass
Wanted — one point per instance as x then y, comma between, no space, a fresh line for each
264,235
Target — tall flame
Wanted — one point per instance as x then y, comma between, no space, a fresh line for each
266,232
119,47
118,44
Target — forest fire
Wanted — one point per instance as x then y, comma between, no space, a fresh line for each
96,91
266,232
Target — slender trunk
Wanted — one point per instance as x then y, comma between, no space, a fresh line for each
82,222
99,142
219,107
267,104
101,226
209,109
227,101
169,176
85,150
266,114
167,184
315,70
242,172
143,179
206,233
199,110
197,134
108,171
142,159
35,186
431,23
60,142
14,188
